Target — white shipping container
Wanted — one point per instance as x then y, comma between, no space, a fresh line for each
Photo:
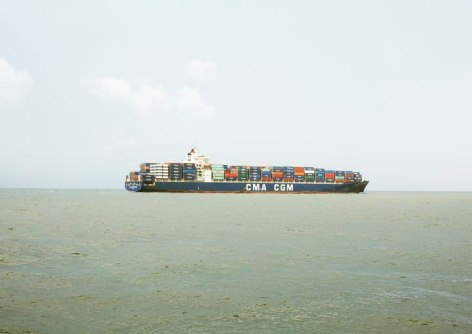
207,175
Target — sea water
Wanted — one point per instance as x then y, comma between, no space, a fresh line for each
93,261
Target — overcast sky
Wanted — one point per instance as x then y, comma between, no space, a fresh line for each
90,89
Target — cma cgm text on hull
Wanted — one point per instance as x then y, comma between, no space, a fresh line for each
198,175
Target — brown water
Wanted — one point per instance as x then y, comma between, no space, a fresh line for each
117,262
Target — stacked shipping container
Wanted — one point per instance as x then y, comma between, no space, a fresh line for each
243,173
329,176
255,173
319,175
134,177
309,174
277,174
266,174
231,174
189,171
357,177
339,177
159,170
175,171
299,174
150,172
288,174
349,176
218,172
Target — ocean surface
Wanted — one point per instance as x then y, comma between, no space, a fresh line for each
91,261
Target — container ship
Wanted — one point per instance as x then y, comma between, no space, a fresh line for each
197,174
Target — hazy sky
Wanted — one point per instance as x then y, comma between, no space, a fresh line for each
90,89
